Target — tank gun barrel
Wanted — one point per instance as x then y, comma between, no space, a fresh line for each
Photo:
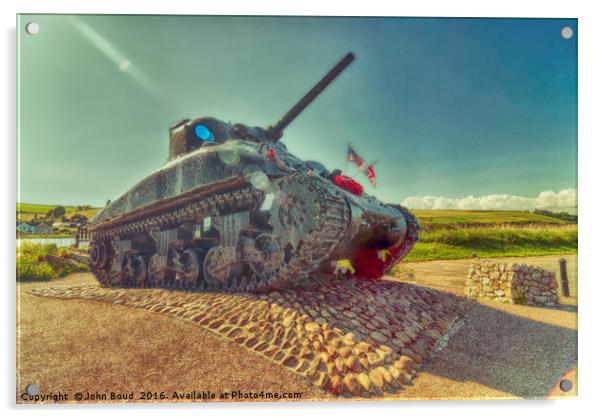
274,132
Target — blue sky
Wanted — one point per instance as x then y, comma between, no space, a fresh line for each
447,107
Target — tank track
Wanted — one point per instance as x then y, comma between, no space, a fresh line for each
208,206
332,222
280,269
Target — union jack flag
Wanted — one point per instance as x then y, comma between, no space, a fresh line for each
371,174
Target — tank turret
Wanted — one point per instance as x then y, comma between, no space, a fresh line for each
186,135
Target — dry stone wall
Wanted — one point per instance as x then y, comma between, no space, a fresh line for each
512,283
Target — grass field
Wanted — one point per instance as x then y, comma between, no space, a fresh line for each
467,217
450,244
27,211
457,234
450,234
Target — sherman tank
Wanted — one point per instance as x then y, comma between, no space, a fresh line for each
233,210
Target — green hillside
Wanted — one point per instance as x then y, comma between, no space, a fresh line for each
27,211
455,234
467,217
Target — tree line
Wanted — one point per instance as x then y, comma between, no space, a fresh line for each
559,215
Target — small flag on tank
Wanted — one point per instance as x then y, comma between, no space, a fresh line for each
355,158
371,174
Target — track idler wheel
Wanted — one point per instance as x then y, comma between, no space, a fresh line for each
98,254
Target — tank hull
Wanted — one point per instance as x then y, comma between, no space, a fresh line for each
229,218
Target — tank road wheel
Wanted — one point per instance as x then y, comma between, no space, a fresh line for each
266,271
156,273
134,270
216,269
187,266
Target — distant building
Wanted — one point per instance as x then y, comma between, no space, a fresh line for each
44,229
34,229
25,228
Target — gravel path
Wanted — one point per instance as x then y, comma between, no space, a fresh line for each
351,338
502,350
79,346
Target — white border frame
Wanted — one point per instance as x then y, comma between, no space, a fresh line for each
589,170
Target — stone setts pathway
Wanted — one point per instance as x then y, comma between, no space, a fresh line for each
351,338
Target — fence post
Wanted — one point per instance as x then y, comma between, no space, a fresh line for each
564,280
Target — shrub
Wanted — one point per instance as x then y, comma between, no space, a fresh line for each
38,250
36,262
81,268
43,271
29,268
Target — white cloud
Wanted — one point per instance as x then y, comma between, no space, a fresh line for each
565,200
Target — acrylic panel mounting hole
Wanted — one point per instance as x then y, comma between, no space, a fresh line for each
32,28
